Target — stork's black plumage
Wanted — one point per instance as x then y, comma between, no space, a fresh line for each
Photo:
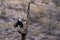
18,23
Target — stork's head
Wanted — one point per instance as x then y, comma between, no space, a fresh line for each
20,20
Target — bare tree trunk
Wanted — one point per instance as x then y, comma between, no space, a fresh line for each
27,22
24,32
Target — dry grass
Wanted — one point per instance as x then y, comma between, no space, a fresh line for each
17,1
36,8
46,1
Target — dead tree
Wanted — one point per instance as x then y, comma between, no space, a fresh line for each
26,25
23,32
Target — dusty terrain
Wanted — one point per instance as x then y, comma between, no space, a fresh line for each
44,19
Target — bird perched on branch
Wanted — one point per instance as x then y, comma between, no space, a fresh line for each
19,23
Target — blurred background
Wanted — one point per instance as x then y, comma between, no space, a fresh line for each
44,19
